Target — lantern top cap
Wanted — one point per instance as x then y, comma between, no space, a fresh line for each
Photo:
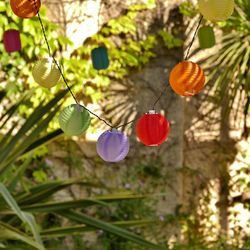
152,111
49,58
78,107
10,30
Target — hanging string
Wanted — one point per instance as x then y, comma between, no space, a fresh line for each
43,30
60,70
49,51
63,77
125,124
67,85
192,41
160,96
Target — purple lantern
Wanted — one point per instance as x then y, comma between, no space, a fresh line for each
11,40
112,146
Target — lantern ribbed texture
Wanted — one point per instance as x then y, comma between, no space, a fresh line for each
46,73
11,40
187,78
112,146
74,120
206,37
25,8
100,58
216,10
152,129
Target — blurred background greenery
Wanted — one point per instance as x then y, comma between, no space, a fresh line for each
33,210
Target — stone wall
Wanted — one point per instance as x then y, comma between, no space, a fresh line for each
193,142
79,20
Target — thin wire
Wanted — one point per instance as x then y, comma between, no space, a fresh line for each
64,79
60,70
160,96
42,26
68,87
125,124
43,30
191,43
49,51
101,119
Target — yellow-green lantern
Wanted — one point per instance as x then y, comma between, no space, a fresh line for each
74,120
46,72
216,10
206,37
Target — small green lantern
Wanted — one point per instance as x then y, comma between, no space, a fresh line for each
206,37
74,120
100,58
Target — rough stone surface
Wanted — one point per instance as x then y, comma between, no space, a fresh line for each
192,143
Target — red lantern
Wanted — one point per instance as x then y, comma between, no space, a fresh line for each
11,40
152,129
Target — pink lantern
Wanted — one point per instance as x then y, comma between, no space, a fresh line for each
12,40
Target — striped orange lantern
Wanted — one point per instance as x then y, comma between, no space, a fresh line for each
25,8
187,78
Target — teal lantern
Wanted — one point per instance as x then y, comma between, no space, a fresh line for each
206,37
74,120
100,58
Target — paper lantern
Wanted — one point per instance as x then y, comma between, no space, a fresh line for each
46,72
152,129
11,40
187,78
25,8
100,58
74,120
206,37
216,10
112,146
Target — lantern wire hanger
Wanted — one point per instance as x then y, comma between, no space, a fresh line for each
192,41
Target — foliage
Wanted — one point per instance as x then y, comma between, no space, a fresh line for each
126,53
17,67
229,66
21,198
231,63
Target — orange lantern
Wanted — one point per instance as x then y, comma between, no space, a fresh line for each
187,78
25,8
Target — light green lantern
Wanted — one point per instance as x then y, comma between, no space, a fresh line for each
74,120
206,37
46,73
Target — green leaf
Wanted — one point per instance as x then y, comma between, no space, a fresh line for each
59,206
25,217
44,140
8,232
85,219
11,182
79,229
44,191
